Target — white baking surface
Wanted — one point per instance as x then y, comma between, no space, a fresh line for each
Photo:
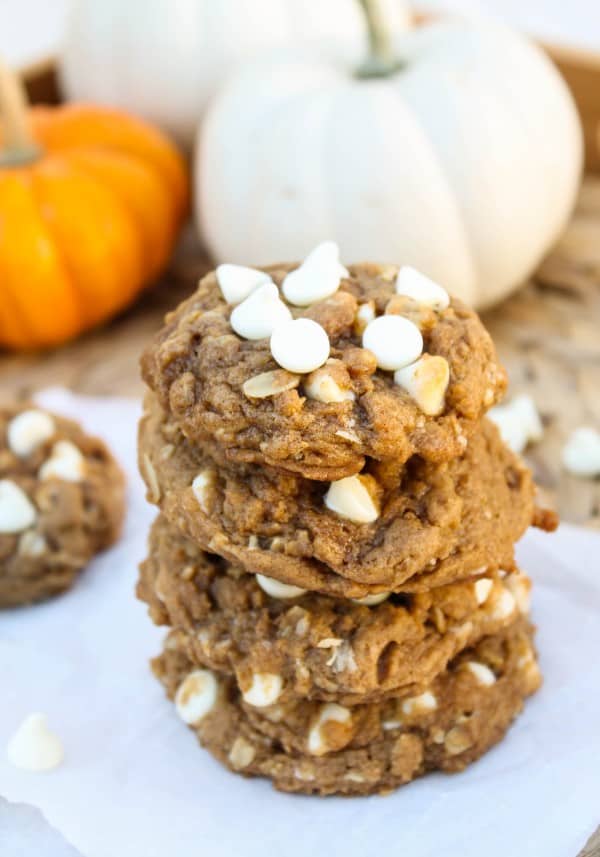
134,782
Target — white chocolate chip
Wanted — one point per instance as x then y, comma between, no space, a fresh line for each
242,753
270,384
482,673
202,486
518,585
581,453
504,605
483,587
322,387
413,284
28,430
519,422
331,711
421,704
17,512
364,316
317,278
388,725
265,689
426,381
66,462
301,345
34,747
394,341
276,589
237,282
260,313
372,600
350,498
196,696
32,544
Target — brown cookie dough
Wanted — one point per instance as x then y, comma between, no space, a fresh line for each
316,646
198,366
330,749
436,523
61,502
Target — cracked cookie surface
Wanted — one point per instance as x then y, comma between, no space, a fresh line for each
436,523
327,748
198,367
318,647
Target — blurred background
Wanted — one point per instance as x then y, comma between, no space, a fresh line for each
32,29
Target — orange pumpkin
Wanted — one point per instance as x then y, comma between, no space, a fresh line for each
91,203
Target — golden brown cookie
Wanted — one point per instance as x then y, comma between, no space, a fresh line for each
434,524
61,502
310,645
212,381
325,748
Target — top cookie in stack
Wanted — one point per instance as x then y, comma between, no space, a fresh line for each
332,388
338,519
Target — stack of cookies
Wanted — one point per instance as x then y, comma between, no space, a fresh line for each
334,553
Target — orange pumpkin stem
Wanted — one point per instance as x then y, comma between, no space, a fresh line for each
18,146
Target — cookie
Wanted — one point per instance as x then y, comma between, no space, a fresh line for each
316,646
61,502
434,524
323,419
325,748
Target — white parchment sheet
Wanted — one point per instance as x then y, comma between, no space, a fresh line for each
134,783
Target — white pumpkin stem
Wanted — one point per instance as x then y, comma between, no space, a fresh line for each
381,61
18,146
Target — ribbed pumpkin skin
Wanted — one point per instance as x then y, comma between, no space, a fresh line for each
85,226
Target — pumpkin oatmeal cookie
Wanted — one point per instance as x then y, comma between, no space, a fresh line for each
283,642
415,527
61,502
378,367
327,748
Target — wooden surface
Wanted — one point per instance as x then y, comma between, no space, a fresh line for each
581,70
548,336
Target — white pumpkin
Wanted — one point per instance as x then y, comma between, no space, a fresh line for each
163,59
464,163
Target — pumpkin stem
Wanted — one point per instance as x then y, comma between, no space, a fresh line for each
381,61
18,146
